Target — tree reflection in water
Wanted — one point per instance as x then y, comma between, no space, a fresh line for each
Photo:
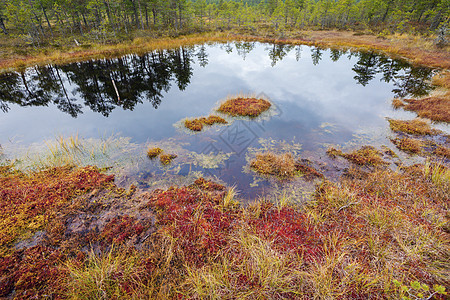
140,78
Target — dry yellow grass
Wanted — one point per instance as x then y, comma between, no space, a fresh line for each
416,126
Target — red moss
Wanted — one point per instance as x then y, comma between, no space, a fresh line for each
29,201
433,108
32,273
290,230
197,124
122,228
191,216
246,107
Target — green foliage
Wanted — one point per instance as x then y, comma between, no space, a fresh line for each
40,20
417,290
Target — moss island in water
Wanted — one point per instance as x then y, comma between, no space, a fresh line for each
283,166
197,124
244,106
165,159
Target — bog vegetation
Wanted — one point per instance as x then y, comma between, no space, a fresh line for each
379,232
383,234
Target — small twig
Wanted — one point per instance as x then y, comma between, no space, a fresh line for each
345,206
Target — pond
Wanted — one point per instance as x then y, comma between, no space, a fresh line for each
319,98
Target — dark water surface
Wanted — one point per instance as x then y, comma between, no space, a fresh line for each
319,97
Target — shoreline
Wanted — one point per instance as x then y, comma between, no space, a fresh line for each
416,50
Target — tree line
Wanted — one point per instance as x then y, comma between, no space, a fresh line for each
40,20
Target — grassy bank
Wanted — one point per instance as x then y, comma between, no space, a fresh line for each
381,235
418,49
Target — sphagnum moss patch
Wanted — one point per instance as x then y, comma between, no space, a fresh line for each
270,163
415,127
154,152
244,107
434,108
408,144
166,159
197,124
364,156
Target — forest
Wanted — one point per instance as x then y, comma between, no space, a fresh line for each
41,21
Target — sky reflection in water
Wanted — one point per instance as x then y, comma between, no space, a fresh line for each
320,96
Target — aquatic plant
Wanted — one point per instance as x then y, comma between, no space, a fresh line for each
416,126
365,156
434,108
243,106
441,151
397,103
154,152
194,125
270,163
166,159
410,145
303,167
211,120
198,123
208,161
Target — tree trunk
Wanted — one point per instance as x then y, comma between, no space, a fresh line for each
108,13
59,20
68,22
46,18
97,17
37,19
84,20
140,14
2,26
179,13
78,23
154,16
146,15
135,15
387,11
436,21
